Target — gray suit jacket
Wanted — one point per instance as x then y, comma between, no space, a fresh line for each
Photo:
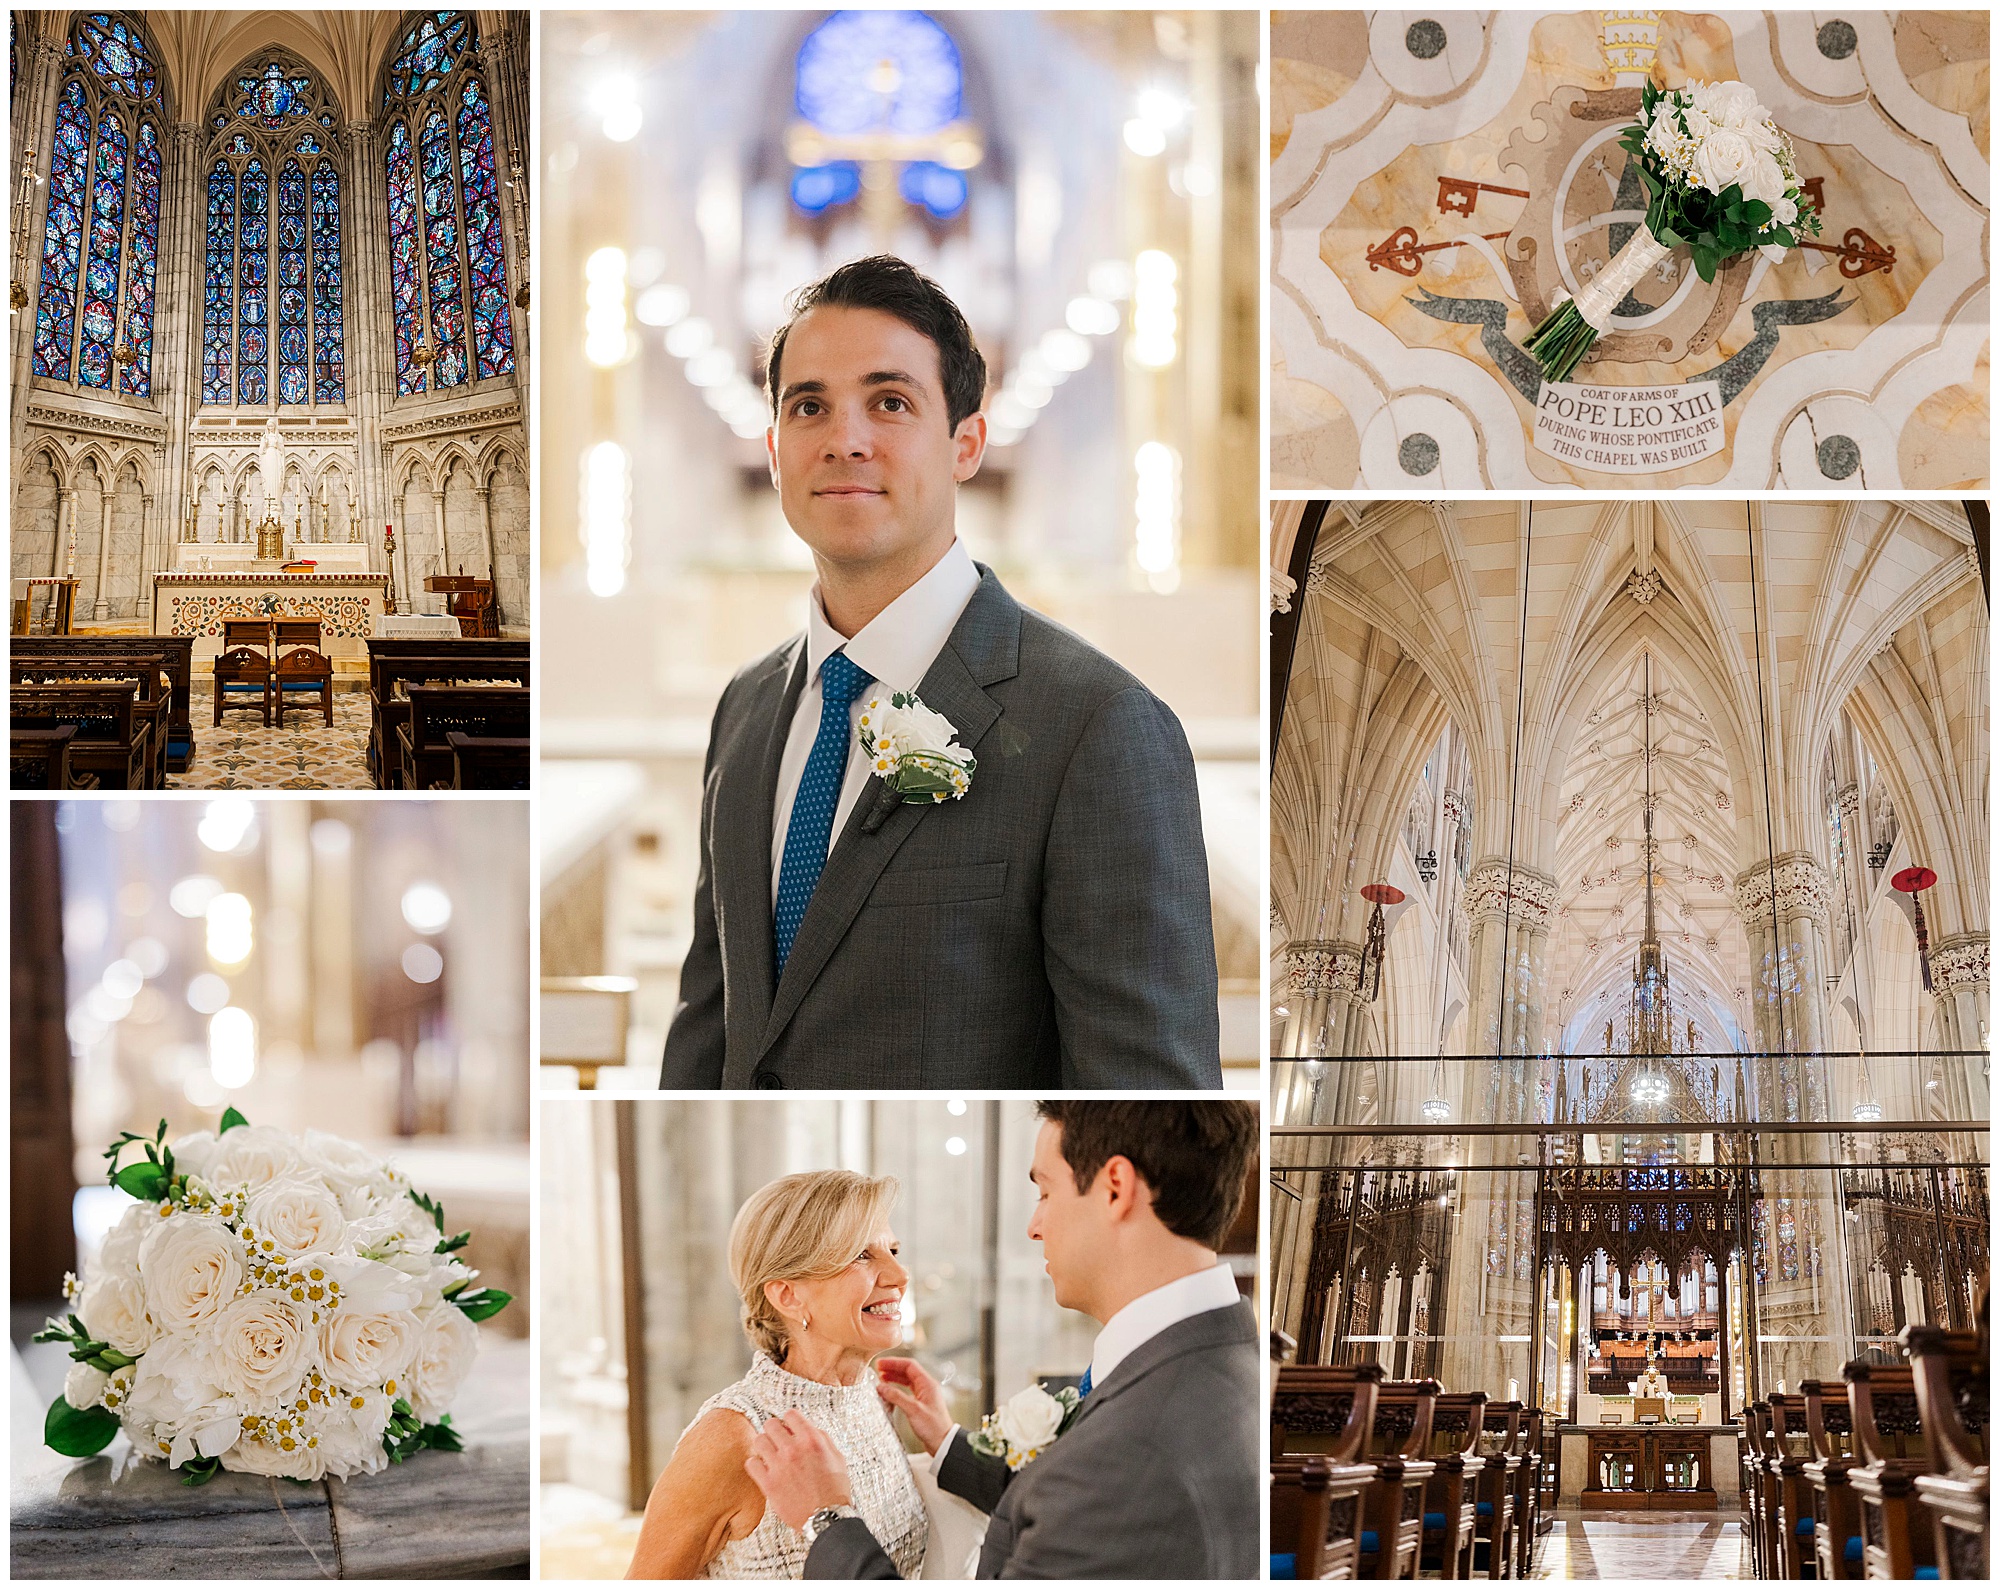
1050,930
1156,1479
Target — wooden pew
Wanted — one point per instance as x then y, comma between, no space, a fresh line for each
1789,1451
1836,1511
1896,1540
148,670
482,711
1950,1372
113,739
1320,1418
1528,1495
1495,1521
39,758
1452,1494
178,650
1758,1491
1393,1508
486,762
394,664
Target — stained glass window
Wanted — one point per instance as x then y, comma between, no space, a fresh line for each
329,361
404,268
218,297
62,243
117,54
101,239
253,236
492,328
428,53
138,376
272,315
447,253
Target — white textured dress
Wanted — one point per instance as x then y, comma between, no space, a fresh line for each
878,1470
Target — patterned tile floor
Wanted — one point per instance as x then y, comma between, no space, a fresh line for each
1613,1545
305,754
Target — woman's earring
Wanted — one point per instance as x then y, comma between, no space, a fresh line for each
805,1323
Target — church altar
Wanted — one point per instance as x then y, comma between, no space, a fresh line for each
347,604
240,557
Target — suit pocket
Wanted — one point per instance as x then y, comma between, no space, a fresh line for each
940,885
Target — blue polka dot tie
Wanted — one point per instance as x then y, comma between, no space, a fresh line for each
811,830
1083,1388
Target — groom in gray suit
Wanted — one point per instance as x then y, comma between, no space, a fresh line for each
1050,927
1156,1475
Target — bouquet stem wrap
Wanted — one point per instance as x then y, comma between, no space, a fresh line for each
1571,330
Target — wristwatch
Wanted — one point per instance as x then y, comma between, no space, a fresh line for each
824,1518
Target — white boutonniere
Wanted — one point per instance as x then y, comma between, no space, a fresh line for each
914,750
1026,1425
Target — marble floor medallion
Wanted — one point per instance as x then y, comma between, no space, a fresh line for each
1438,180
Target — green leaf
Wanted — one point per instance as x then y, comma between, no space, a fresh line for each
232,1118
483,1304
145,1181
453,1244
78,1432
199,1471
1757,213
430,1207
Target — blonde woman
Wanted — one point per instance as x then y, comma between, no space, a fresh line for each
815,1262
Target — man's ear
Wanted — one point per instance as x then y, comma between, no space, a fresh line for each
771,449
969,441
1123,1187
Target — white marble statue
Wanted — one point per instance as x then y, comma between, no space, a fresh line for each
271,467
1652,1383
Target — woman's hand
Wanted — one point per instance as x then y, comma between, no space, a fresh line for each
906,1386
798,1468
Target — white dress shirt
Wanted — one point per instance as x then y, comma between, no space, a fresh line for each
1139,1321
895,648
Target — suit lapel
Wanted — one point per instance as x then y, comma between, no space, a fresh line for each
983,649
745,795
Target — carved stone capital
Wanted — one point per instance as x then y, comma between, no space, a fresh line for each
1801,889
1282,588
1323,966
1526,895
1849,800
1961,964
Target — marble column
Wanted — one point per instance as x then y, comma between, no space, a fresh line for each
1323,976
483,493
371,370
1961,998
65,502
444,534
100,606
149,539
177,323
1509,912
33,137
1788,991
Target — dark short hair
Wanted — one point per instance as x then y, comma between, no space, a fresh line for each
898,288
1195,1156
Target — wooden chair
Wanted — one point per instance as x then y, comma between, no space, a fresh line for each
112,739
1451,1496
488,762
1835,1510
1321,1415
243,679
482,711
1950,1372
303,676
1896,1540
39,758
1786,1458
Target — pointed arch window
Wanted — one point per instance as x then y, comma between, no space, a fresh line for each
101,235
272,311
447,258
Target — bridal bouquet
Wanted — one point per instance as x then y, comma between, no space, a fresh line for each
1026,1424
272,1305
914,750
1720,180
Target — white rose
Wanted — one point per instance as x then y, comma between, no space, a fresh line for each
261,1350
445,1350
1030,1418
1784,211
297,1212
251,1155
191,1268
83,1386
350,1438
356,1176
909,728
360,1349
113,1310
1764,180
1731,104
120,1253
194,1153
175,1408
301,1462
1723,158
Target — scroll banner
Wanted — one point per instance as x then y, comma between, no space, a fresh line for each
1629,430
